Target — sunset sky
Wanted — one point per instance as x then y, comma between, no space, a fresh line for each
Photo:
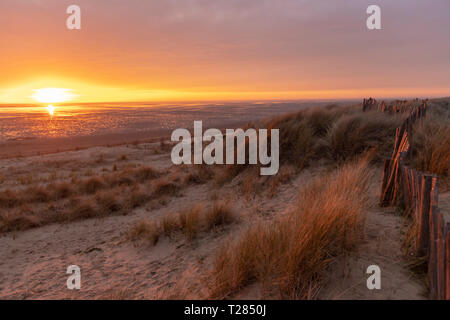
157,50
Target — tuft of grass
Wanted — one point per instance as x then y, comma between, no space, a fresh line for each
165,187
63,190
199,174
220,214
26,179
288,256
9,199
93,184
38,194
170,224
83,209
108,203
354,134
297,140
138,197
430,146
190,221
19,219
146,173
283,176
149,231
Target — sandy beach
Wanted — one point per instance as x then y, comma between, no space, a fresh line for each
93,208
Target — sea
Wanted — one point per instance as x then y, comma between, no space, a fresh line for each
27,122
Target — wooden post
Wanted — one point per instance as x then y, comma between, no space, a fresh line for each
413,191
432,265
386,171
423,235
440,257
434,191
419,192
396,143
447,261
405,185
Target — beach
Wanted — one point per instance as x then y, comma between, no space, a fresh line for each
140,227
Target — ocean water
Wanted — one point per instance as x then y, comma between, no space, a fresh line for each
30,122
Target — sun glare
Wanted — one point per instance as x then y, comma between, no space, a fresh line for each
52,95
51,109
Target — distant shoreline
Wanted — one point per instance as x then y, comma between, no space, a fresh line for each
28,145
39,146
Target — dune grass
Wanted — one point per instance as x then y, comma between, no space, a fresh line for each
288,256
93,197
430,143
328,135
189,222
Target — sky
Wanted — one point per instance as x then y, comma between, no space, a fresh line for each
166,50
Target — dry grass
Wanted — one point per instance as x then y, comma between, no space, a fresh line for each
352,135
190,221
149,231
187,222
108,203
9,198
333,134
199,174
288,256
83,191
118,294
226,173
165,187
138,197
430,142
143,174
20,219
82,209
93,184
63,190
284,175
220,214
170,224
38,194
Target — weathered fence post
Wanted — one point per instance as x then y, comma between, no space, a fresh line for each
423,235
386,172
447,261
420,198
432,258
440,257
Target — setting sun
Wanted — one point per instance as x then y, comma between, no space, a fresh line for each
52,95
51,109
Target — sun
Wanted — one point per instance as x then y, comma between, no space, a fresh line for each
52,95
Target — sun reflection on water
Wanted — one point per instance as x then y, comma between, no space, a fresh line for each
51,110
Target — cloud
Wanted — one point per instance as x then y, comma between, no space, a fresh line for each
230,44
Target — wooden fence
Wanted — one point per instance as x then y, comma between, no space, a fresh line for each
397,106
417,192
